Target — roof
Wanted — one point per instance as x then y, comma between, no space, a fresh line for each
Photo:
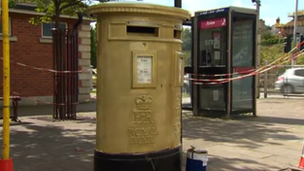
300,13
228,8
300,22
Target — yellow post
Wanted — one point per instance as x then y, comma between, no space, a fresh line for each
6,80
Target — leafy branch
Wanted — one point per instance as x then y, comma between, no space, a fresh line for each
52,9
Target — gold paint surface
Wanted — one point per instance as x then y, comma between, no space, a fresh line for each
137,118
143,129
177,124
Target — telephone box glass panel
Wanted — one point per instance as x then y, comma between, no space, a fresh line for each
212,42
243,60
243,42
213,98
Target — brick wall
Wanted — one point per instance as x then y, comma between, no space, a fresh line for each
27,46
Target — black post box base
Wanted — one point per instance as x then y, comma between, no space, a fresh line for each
167,160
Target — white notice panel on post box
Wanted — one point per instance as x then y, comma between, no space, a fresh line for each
144,69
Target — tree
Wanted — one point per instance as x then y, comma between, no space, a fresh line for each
186,37
54,8
11,3
267,34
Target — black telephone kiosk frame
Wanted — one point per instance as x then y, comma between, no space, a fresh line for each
223,42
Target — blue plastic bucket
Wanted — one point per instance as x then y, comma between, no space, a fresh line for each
196,160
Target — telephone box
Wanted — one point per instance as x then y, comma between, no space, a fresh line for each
223,48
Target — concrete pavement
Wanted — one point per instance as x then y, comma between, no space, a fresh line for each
271,141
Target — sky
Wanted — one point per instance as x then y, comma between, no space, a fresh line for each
270,10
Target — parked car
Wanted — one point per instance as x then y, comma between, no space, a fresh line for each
291,82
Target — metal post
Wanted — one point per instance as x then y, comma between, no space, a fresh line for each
258,48
6,81
257,55
265,81
195,90
229,70
178,3
295,19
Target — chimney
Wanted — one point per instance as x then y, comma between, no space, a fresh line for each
278,20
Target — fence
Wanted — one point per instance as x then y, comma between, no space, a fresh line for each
65,45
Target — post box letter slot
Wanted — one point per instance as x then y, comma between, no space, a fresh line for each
177,34
142,31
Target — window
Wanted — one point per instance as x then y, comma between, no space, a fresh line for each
46,28
10,27
299,72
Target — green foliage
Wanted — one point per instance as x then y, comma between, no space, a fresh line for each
268,38
267,34
186,37
54,8
271,41
11,3
271,47
187,56
93,47
271,53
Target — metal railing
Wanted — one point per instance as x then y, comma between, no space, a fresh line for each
65,50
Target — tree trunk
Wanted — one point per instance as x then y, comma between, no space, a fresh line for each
57,15
58,61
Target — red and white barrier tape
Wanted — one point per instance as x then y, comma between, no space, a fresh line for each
222,81
237,73
203,75
222,75
283,57
194,81
51,103
215,81
229,79
46,69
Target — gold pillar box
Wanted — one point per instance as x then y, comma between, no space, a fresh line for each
140,74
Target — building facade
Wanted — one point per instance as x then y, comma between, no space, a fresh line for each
31,45
282,30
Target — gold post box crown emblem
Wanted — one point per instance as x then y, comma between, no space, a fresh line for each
143,102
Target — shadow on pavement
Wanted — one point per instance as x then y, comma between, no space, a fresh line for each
48,109
247,133
219,163
51,148
278,120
